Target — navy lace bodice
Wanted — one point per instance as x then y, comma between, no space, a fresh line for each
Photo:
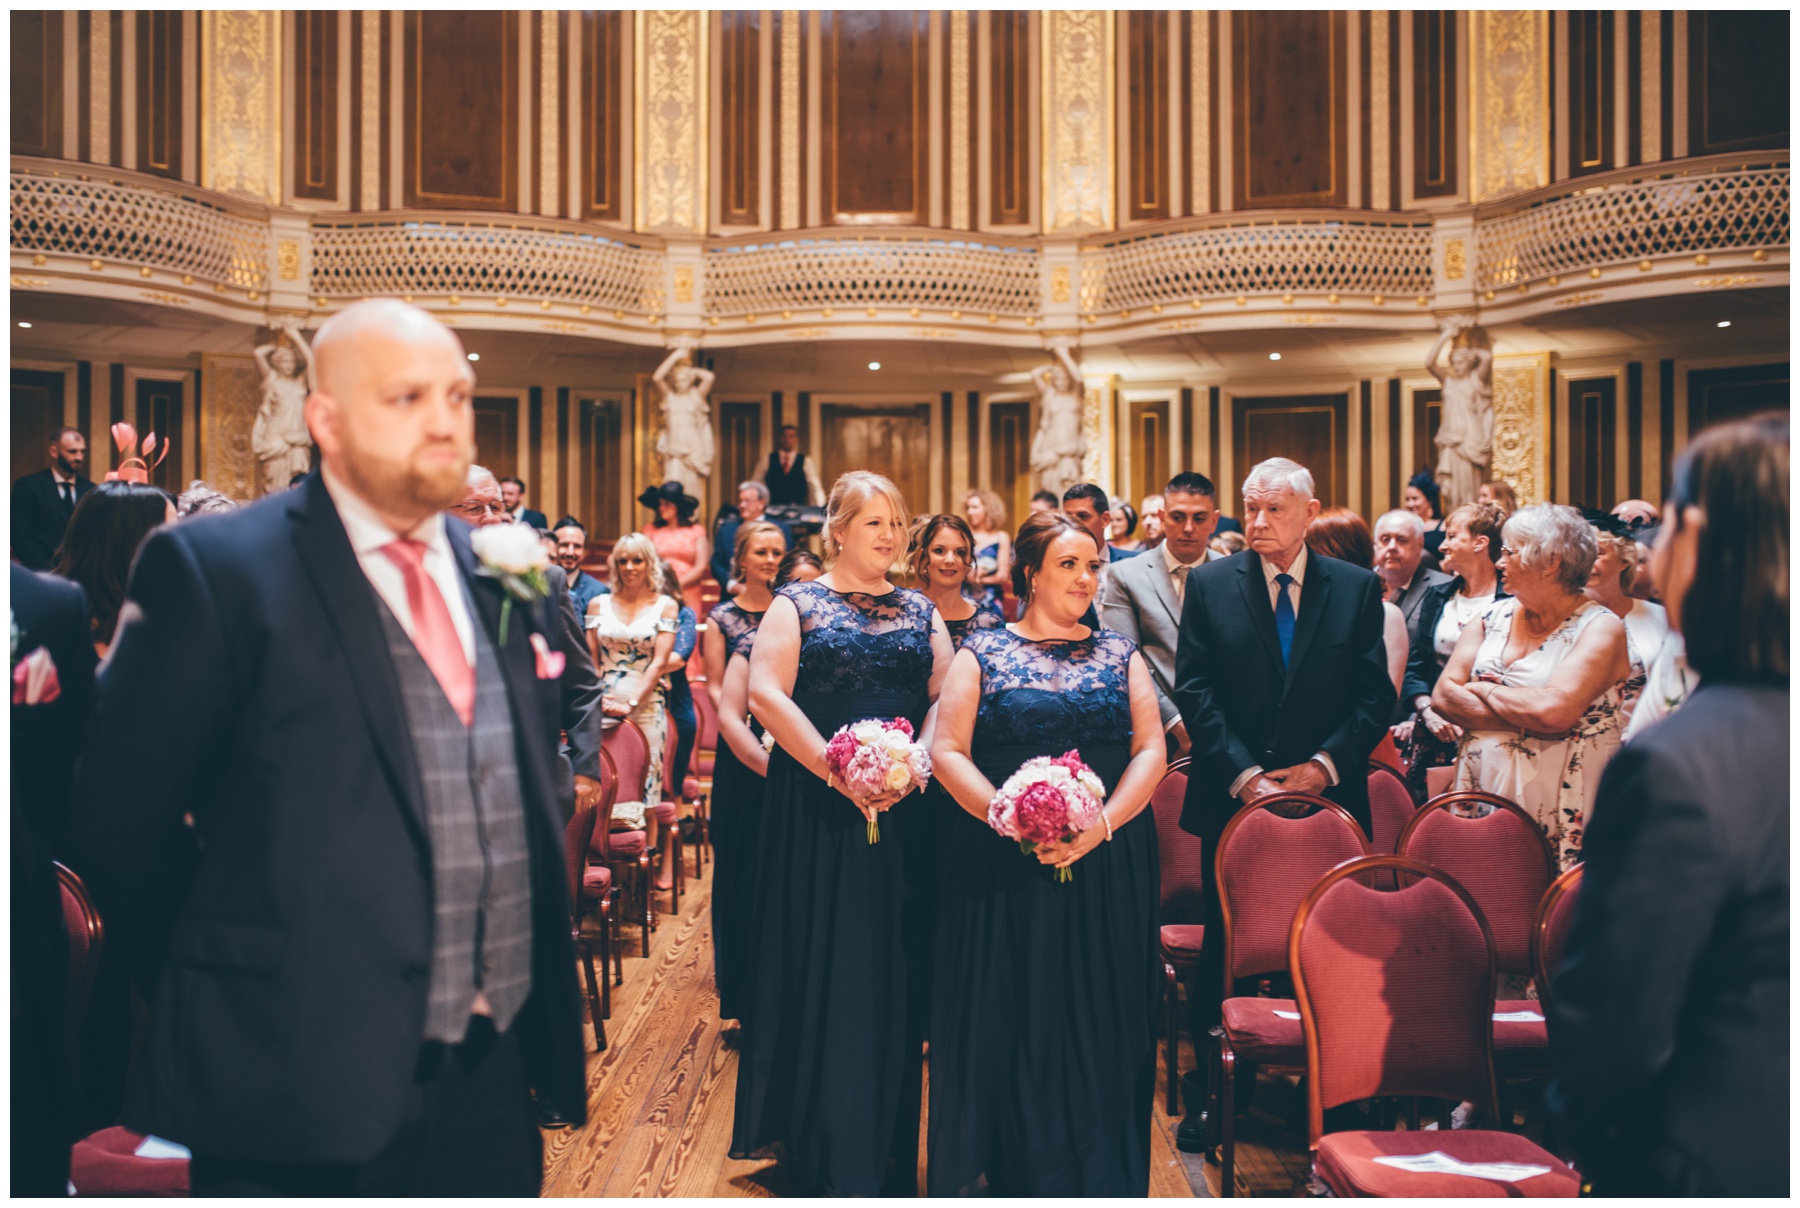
852,642
1044,698
737,624
986,616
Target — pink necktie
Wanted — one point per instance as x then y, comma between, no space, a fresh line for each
434,634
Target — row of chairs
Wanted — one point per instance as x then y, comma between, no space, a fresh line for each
1276,853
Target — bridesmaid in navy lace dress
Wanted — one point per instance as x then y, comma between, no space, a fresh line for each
829,1077
940,559
739,762
1044,994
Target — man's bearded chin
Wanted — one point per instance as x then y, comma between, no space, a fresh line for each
411,486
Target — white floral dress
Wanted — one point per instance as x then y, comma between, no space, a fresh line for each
1553,780
625,650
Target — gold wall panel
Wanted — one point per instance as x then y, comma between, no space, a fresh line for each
1077,127
671,105
1509,111
1522,425
231,393
240,103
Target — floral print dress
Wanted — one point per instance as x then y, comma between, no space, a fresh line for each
622,650
1554,780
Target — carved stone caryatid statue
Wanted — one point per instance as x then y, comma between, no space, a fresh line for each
1465,438
686,441
279,438
1058,446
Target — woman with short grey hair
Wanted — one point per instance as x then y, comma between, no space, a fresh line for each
1537,682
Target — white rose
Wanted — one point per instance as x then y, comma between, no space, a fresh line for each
867,733
896,744
898,776
1091,783
510,549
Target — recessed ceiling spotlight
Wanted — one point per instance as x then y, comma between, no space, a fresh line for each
1274,356
474,356
874,364
24,324
1722,323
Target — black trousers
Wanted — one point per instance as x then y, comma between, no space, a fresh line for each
469,1130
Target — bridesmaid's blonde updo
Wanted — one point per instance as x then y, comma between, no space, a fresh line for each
849,495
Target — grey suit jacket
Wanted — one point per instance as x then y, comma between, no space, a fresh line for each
1413,598
1139,602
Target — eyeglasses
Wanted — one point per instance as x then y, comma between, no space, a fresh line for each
477,509
1507,551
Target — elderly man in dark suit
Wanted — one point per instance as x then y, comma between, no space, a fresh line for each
43,502
1280,675
361,943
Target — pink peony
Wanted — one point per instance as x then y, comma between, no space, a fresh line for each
1042,813
840,750
867,770
901,724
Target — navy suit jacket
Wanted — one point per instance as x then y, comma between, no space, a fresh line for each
39,519
288,930
1243,708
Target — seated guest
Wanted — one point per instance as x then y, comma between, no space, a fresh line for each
939,558
1143,597
790,475
1615,573
752,503
109,525
1399,560
571,548
42,503
1471,552
799,566
1537,682
1151,512
1499,493
992,568
1044,501
512,498
1343,534
1424,499
1124,526
200,500
1669,1018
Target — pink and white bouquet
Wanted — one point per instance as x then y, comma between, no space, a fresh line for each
874,756
1048,800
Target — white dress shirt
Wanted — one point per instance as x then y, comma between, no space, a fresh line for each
1178,571
815,490
1298,572
368,533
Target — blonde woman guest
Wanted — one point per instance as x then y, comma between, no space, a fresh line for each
1616,572
739,763
1043,1055
992,545
631,633
939,561
829,1074
1537,682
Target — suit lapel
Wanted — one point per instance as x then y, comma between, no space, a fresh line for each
1314,593
351,609
1163,584
1256,598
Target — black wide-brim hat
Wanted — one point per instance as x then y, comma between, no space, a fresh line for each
674,492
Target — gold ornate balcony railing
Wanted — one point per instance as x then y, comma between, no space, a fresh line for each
818,271
107,215
1343,253
1722,203
486,258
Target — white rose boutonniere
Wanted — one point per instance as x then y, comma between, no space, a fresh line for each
512,554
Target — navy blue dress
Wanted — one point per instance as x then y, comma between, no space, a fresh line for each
1043,1058
829,1074
987,615
735,808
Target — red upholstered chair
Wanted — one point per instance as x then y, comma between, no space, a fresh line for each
577,835
1266,862
706,747
1182,866
1503,861
597,884
628,852
105,1163
1395,991
1440,780
1391,807
1550,929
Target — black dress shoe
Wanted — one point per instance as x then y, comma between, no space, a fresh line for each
549,1118
1197,1133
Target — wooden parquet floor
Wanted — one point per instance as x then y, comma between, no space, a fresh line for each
661,1096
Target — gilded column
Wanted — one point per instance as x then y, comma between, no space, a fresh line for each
241,103
1522,425
960,76
1077,125
790,119
550,113
1509,110
671,107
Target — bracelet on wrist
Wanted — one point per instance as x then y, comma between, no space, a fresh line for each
1109,826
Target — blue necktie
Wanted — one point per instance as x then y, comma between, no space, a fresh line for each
1284,616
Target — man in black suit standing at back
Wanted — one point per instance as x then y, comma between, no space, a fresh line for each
43,502
360,945
1281,677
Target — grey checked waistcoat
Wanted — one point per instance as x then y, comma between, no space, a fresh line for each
480,862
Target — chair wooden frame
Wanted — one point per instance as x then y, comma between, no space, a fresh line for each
640,866
82,979
1401,866
578,834
1172,991
1227,1061
1564,885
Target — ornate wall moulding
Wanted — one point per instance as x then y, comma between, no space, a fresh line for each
240,103
1077,120
1509,111
671,107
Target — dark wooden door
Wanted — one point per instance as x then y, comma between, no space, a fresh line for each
37,411
159,406
1593,431
894,440
1311,429
497,434
1428,415
1009,459
1717,395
